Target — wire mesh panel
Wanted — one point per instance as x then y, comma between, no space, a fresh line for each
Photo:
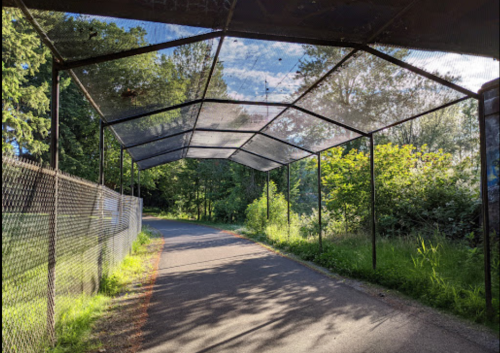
468,71
275,150
307,131
202,153
259,70
157,125
82,229
219,139
236,116
368,93
253,161
147,82
160,146
161,159
79,36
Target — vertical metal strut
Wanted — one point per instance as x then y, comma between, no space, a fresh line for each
101,153
319,204
132,178
138,183
484,199
268,195
54,163
121,170
372,186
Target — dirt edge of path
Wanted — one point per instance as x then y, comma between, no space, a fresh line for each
119,330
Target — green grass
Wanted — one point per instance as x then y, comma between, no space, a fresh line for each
444,274
74,323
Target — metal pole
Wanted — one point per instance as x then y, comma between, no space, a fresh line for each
319,204
484,194
101,153
132,178
372,184
268,195
54,163
138,183
288,197
121,170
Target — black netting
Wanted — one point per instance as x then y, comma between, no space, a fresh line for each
161,146
147,82
253,161
209,153
79,36
369,93
307,131
258,70
275,150
236,116
162,159
157,125
468,71
219,139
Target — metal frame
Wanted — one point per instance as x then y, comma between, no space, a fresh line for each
320,206
60,64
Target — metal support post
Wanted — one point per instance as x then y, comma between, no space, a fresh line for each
484,197
268,176
372,185
54,163
288,196
121,170
132,178
101,153
319,204
138,183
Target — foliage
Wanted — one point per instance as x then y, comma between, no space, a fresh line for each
416,190
24,101
257,220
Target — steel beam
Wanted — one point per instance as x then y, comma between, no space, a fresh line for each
268,201
101,153
121,170
132,178
138,183
485,207
372,187
319,205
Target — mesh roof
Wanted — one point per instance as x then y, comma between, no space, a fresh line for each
236,116
209,153
160,146
155,126
257,100
253,161
143,83
306,131
80,36
219,139
380,94
162,159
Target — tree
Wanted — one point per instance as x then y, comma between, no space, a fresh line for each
23,104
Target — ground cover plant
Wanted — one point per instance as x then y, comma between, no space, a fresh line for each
74,323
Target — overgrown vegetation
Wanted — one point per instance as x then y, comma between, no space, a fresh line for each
74,323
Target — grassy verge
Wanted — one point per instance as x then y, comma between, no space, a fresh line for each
74,324
437,272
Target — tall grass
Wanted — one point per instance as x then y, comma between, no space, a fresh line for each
437,271
74,323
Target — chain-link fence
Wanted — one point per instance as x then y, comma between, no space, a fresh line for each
60,236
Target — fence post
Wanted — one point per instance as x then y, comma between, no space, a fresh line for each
138,182
372,185
132,178
54,163
319,204
288,197
268,196
484,199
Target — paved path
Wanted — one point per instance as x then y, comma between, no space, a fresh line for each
219,293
